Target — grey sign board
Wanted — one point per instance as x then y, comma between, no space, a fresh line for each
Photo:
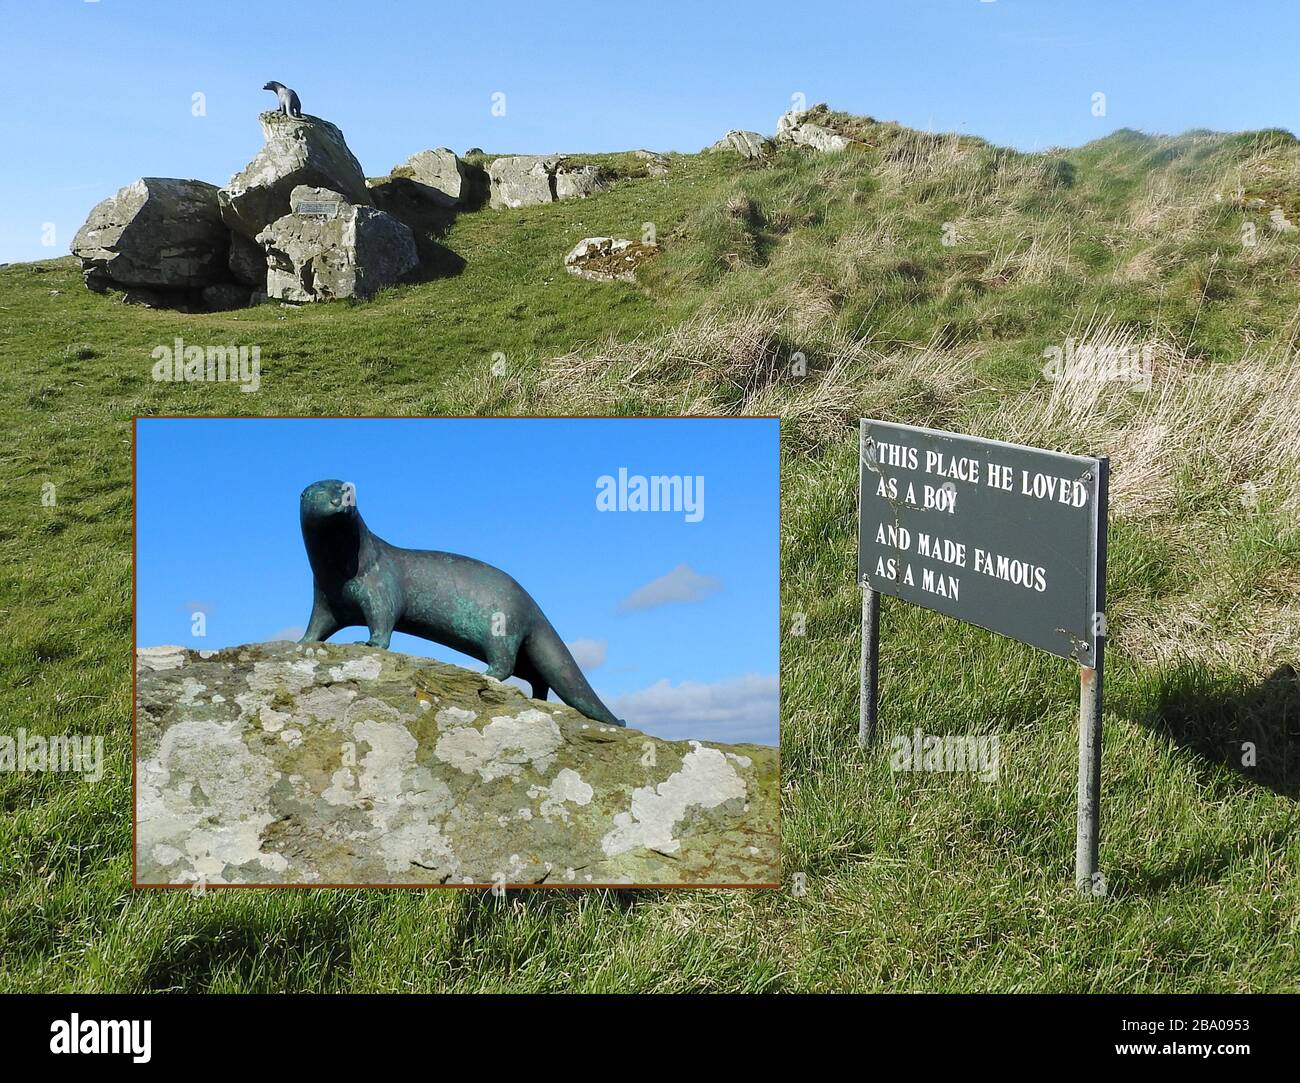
1007,537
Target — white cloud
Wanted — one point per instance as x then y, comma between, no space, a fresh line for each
589,653
682,584
293,633
737,709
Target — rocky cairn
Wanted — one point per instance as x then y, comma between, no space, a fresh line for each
347,764
298,151
799,127
796,128
187,244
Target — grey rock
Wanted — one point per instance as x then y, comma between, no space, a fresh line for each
157,233
578,182
347,764
746,144
344,251
443,177
795,128
299,151
821,138
247,261
607,259
522,180
656,163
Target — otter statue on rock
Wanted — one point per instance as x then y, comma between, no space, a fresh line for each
289,104
359,579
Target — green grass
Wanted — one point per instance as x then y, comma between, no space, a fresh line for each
918,881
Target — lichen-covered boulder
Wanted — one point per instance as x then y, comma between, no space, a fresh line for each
656,163
158,233
348,764
607,259
443,177
746,144
327,248
299,151
797,128
578,182
522,180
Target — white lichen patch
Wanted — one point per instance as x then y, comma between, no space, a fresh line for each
325,702
190,690
744,761
291,677
416,843
567,785
342,788
406,803
205,795
450,717
272,720
504,747
166,855
357,669
271,679
705,781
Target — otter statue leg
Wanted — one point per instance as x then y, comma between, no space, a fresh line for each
380,634
321,625
380,622
502,651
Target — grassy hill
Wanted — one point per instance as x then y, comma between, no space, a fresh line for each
918,278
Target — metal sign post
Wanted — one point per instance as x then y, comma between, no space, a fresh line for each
867,696
1087,875
1007,537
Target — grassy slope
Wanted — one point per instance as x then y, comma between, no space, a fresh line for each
913,882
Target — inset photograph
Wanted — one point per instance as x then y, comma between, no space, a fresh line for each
457,651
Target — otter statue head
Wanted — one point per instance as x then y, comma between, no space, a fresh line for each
325,500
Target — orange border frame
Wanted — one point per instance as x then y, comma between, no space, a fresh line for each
135,422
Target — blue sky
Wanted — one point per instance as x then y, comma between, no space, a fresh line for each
96,94
678,620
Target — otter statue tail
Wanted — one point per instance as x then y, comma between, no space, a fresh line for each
556,666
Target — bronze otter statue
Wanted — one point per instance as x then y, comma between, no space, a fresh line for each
462,603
